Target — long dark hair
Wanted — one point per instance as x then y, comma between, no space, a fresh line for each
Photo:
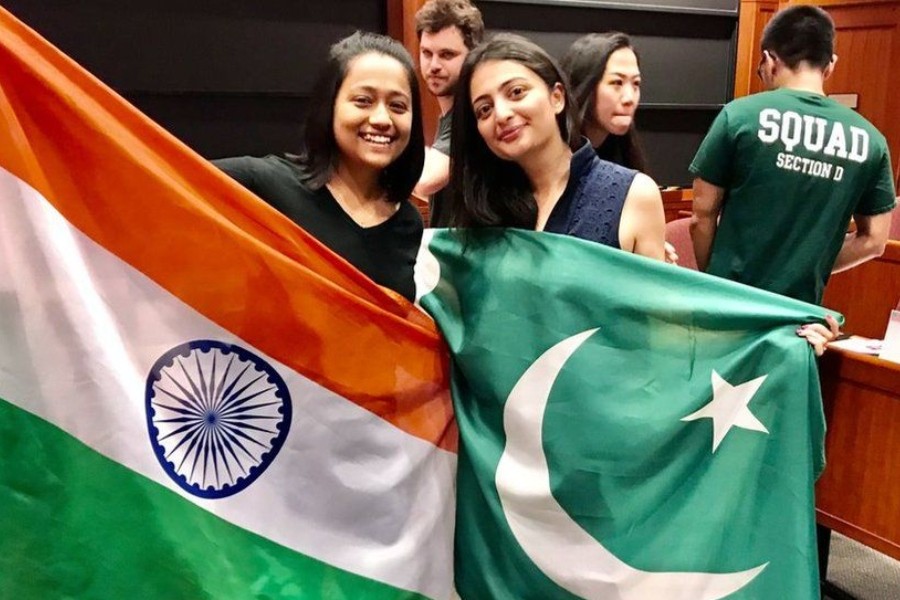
488,191
585,63
320,152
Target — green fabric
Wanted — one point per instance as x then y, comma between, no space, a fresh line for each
78,525
781,228
622,463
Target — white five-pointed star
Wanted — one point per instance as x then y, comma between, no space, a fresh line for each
729,408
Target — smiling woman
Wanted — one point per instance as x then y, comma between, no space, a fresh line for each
518,159
362,156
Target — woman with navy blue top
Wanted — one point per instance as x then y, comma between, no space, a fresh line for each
518,159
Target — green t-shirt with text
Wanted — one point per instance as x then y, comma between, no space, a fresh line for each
795,167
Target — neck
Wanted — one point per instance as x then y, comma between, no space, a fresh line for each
446,103
803,79
596,134
361,183
548,173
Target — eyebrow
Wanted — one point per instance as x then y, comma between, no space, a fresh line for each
624,75
501,86
375,91
441,49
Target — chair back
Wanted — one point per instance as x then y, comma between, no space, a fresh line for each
678,234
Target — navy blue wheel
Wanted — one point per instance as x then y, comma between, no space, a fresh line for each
217,416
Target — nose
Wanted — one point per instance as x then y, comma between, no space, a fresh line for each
380,116
434,65
502,110
630,94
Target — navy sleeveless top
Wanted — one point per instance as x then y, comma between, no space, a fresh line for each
591,205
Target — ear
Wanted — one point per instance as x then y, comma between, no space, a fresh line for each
557,98
830,68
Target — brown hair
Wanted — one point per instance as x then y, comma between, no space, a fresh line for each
436,15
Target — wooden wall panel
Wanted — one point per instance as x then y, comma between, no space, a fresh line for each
868,49
866,294
754,16
401,16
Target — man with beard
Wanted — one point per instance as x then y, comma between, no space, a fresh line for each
447,30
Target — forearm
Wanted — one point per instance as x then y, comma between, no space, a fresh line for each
705,209
856,250
703,232
435,174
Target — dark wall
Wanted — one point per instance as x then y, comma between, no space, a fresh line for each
227,77
688,50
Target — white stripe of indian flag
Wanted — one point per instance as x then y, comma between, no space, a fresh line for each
351,507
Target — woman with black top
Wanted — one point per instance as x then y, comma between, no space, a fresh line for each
363,154
605,76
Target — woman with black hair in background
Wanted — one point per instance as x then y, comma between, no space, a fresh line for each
363,154
605,75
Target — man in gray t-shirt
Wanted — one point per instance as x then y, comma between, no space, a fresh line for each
447,30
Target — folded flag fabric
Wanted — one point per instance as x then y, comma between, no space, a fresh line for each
629,430
197,399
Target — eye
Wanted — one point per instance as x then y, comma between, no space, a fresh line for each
426,53
637,83
448,55
361,101
483,111
399,107
517,91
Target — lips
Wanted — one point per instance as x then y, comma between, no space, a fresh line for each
509,134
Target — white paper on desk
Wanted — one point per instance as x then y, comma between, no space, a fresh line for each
890,348
861,345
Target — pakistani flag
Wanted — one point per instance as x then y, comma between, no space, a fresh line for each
197,399
629,430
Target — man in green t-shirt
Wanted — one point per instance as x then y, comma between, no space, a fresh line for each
781,172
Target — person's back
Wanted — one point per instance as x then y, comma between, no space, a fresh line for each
781,173
796,166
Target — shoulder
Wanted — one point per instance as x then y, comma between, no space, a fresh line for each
408,215
255,169
644,192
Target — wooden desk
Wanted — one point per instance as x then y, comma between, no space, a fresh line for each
866,294
858,495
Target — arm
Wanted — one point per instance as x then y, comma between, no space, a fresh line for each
705,218
867,242
642,228
435,173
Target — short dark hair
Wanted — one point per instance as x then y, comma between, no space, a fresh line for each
320,152
585,63
487,191
436,15
800,33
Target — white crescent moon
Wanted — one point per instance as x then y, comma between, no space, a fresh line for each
557,545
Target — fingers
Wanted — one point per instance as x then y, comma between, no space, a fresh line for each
815,337
818,335
833,325
671,255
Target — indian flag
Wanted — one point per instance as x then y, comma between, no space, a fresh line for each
197,399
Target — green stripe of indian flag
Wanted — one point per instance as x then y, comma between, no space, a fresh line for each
63,502
81,331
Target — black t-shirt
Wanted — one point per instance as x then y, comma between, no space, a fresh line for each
440,216
386,253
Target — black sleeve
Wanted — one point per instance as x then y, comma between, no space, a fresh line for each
242,169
